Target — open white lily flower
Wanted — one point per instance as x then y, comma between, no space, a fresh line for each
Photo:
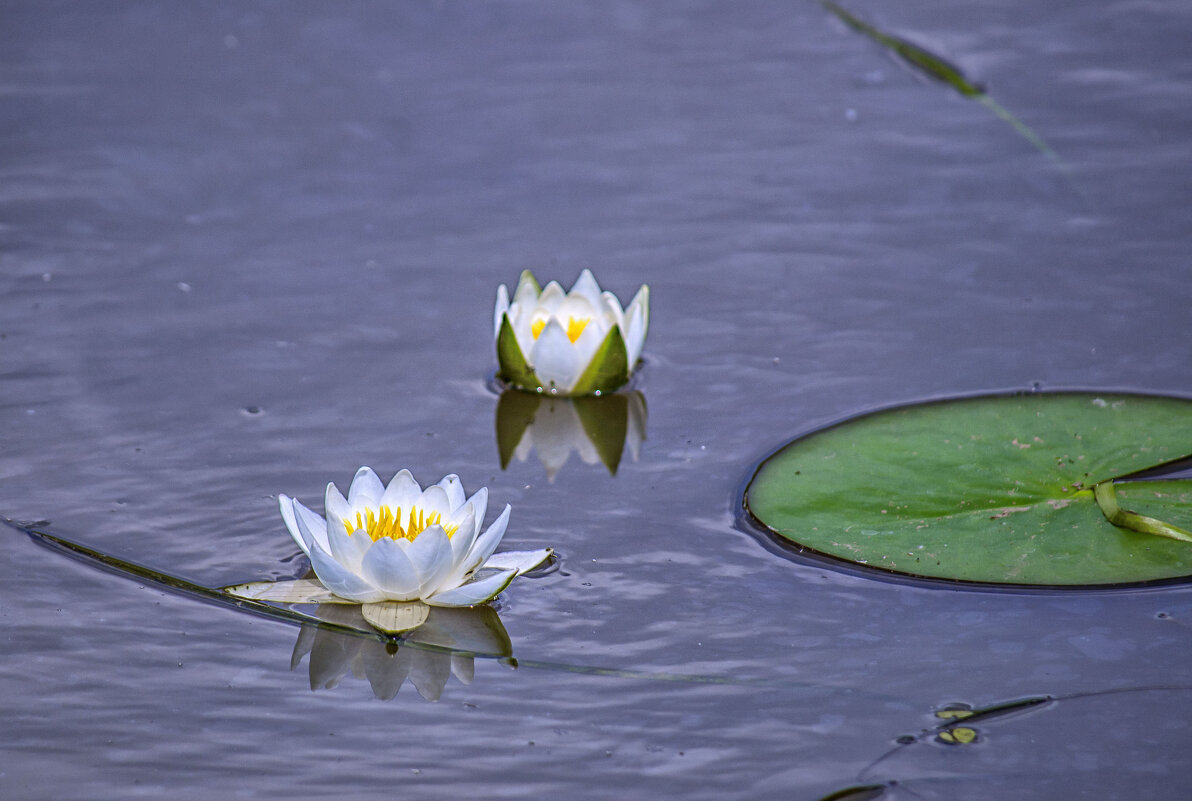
568,343
398,543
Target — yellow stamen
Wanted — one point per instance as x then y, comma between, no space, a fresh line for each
384,523
574,327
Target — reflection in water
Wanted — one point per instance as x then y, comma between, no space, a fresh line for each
598,428
457,637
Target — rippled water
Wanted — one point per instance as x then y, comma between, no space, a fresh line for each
246,248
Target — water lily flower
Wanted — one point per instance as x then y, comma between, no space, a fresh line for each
568,343
399,543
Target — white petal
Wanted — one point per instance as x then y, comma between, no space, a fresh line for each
635,336
521,561
552,295
366,490
312,527
577,307
387,568
501,307
431,555
586,287
335,506
347,549
612,308
286,504
402,492
474,592
479,503
434,500
341,581
555,359
465,533
455,491
485,544
527,288
641,301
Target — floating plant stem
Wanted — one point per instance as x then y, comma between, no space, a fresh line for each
223,598
1106,497
941,69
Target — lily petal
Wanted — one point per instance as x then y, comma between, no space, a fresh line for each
387,568
556,361
366,489
335,505
464,520
312,527
479,501
635,335
286,504
342,581
586,287
551,297
500,309
402,492
483,548
474,592
347,549
455,490
521,561
434,500
431,556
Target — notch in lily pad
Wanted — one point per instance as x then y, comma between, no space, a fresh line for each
1033,489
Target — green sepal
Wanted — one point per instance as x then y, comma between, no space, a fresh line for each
515,412
609,368
605,421
527,277
512,366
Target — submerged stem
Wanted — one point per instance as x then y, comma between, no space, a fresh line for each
1106,497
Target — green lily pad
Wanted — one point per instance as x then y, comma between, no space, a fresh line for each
990,489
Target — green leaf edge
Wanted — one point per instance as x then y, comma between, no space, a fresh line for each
512,365
609,368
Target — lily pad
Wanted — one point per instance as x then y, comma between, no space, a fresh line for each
992,489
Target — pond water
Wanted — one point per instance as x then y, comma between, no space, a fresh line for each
248,248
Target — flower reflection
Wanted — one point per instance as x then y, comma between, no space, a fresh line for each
457,636
599,429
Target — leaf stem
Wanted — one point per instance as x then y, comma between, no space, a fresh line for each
1106,497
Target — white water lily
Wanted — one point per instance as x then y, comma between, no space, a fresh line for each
399,543
579,342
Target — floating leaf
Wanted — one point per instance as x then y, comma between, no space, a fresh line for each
392,617
992,489
297,591
957,735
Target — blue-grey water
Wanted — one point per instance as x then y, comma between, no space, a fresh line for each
246,248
